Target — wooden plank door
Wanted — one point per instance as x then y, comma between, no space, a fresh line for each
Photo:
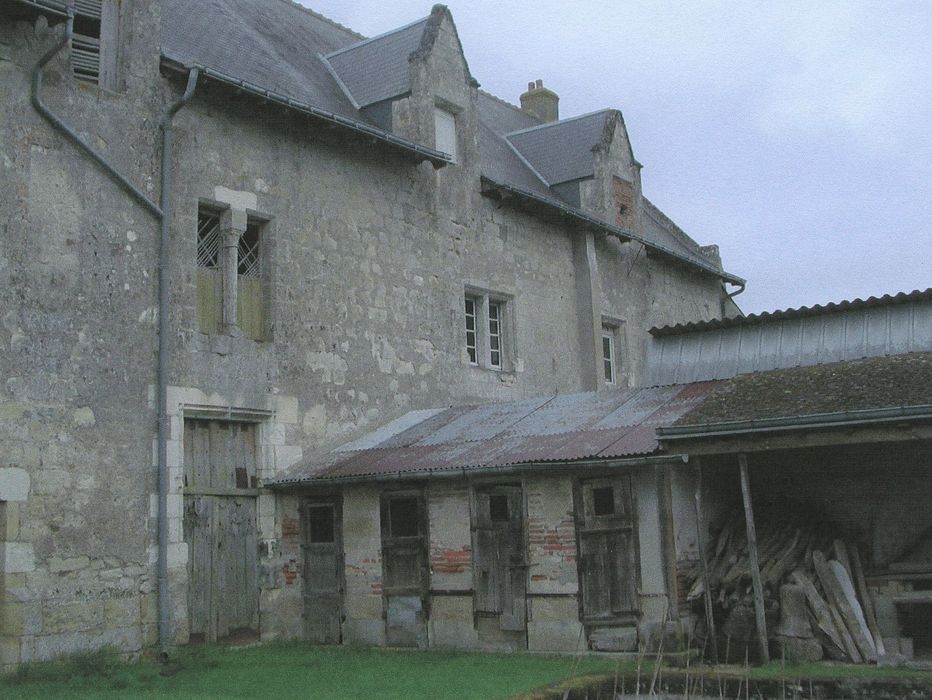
500,557
405,575
608,568
323,570
219,526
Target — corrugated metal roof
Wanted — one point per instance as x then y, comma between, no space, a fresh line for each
570,427
801,312
377,69
562,151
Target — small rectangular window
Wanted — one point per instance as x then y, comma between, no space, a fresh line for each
603,501
608,354
403,517
320,523
445,132
471,346
495,334
498,508
250,294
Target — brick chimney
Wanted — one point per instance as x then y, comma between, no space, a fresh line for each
540,102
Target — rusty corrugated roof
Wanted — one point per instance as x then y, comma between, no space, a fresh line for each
565,428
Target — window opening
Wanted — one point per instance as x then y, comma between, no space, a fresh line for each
471,347
445,132
495,334
608,354
248,253
403,517
250,296
603,501
94,42
498,508
320,523
209,277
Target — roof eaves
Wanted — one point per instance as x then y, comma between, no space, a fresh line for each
437,158
448,472
615,231
835,419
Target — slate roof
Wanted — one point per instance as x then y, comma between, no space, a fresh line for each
566,428
310,63
855,385
377,69
562,151
801,312
273,44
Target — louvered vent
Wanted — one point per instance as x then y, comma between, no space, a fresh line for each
85,44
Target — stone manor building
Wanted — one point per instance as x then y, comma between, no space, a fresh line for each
236,236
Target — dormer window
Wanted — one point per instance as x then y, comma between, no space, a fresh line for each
445,132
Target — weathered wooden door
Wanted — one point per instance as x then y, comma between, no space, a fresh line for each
501,556
323,570
220,530
405,576
608,568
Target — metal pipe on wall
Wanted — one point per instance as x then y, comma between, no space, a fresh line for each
162,371
163,213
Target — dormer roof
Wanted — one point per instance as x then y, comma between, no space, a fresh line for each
377,69
562,151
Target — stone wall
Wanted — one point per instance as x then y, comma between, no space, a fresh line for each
367,257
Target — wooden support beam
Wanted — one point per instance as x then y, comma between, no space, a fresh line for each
753,561
704,565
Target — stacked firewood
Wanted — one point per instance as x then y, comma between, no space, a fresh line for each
814,595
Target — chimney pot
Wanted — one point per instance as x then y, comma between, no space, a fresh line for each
540,102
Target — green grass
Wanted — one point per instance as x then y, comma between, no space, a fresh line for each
300,671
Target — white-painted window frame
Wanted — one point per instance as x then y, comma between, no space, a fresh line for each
609,374
489,329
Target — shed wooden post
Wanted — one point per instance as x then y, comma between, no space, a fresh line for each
753,562
704,565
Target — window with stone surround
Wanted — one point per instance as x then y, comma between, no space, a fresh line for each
247,286
488,324
608,354
612,352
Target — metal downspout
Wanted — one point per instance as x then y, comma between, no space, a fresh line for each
166,207
52,119
162,213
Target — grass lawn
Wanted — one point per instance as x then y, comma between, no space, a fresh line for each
300,671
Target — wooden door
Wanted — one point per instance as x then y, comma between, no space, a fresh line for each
500,557
608,568
323,570
405,575
220,529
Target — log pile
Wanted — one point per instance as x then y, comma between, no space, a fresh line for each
815,599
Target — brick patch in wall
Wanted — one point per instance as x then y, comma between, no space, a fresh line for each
290,572
451,561
291,528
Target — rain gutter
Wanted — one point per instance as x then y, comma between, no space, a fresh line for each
615,231
437,158
467,472
162,212
839,419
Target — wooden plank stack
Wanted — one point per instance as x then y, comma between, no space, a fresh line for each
797,552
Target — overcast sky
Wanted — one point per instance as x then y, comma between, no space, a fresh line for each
796,135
